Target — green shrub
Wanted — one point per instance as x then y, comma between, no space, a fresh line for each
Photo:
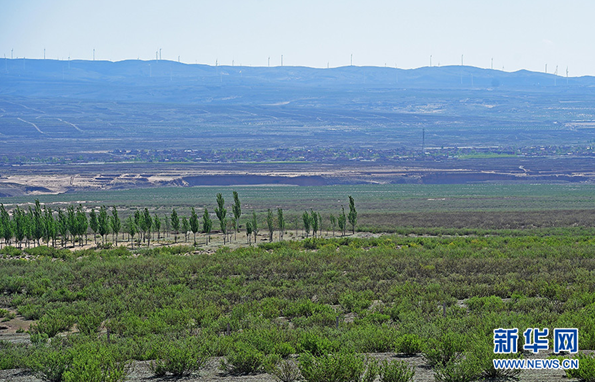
49,363
12,356
53,323
586,370
38,338
284,349
95,363
448,347
11,251
49,252
315,344
396,371
180,358
338,367
243,359
482,355
408,344
356,301
285,371
372,370
458,369
89,323
485,304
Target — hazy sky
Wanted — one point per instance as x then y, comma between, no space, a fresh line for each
517,34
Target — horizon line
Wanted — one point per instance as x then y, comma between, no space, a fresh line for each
294,66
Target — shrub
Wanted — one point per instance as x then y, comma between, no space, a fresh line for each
285,371
483,356
338,367
485,304
457,369
586,370
53,323
284,349
372,370
49,252
356,302
408,344
442,351
396,371
243,359
12,356
95,363
180,358
88,324
314,344
49,362
11,251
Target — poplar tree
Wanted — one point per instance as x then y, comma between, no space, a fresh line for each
333,220
62,225
93,224
71,222
237,211
249,232
20,228
29,229
157,224
207,225
6,225
185,228
281,223
221,212
342,221
37,223
314,222
82,224
50,229
270,224
131,228
307,221
254,225
167,226
115,223
194,225
175,224
352,214
139,219
148,222
103,223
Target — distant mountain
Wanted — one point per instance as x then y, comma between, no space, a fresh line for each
168,81
102,105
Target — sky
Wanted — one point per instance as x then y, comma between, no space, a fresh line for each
513,34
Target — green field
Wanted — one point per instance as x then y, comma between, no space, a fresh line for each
377,198
387,208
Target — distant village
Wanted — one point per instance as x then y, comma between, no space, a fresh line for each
288,155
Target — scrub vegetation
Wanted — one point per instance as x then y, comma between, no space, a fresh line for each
328,301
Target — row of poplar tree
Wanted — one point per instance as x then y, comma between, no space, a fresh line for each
40,223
